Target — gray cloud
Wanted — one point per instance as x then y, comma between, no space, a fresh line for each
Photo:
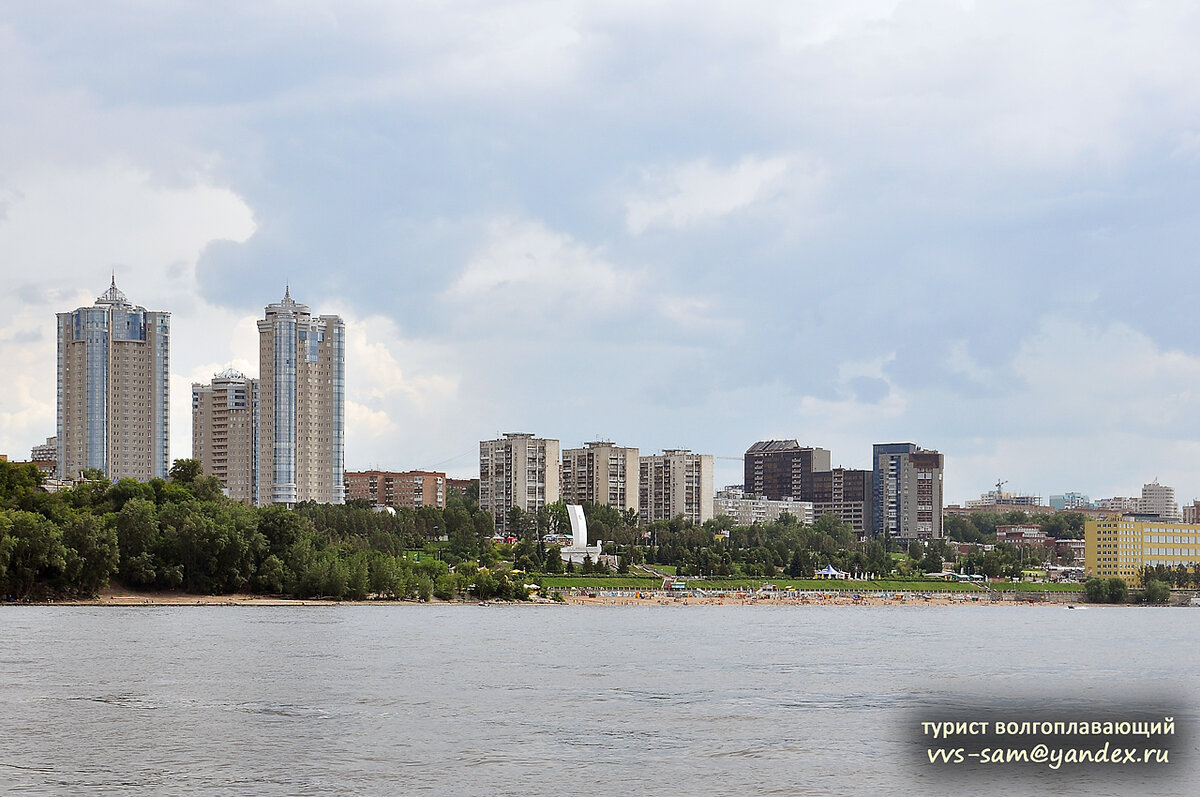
725,207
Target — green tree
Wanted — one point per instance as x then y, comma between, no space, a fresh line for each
185,471
445,587
271,576
18,480
90,556
553,562
282,528
190,474
1117,590
32,555
1156,591
137,539
932,562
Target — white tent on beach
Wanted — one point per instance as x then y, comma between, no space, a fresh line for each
830,572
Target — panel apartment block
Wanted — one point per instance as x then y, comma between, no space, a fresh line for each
225,432
845,493
302,405
676,482
413,489
602,473
907,491
113,382
518,470
779,469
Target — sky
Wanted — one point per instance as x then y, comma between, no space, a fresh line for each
968,225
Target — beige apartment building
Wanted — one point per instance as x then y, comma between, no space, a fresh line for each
113,383
676,482
602,473
302,405
518,470
413,489
1159,500
225,432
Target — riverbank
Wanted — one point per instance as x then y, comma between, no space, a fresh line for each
124,597
826,599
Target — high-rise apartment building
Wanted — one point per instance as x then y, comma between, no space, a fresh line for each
847,494
518,470
45,452
225,432
413,489
302,405
602,473
907,491
778,469
1158,500
113,389
675,482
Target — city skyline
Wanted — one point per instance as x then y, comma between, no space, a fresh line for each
678,228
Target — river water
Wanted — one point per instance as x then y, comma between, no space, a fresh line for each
560,700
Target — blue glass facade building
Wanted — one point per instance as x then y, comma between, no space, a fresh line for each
302,410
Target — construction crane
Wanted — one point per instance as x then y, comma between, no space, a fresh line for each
999,487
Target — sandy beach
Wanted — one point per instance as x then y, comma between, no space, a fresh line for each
123,597
826,599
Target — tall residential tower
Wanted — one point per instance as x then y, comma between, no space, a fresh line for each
518,470
302,405
113,383
602,473
676,482
225,432
907,491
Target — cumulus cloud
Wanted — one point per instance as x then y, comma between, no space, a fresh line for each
401,393
64,233
1072,393
698,191
525,261
709,206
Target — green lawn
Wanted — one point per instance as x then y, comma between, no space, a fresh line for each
600,582
1023,586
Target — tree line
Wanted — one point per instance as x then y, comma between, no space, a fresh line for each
183,533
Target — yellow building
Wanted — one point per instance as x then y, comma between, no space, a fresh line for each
1121,546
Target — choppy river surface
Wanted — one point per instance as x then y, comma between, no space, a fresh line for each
468,700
